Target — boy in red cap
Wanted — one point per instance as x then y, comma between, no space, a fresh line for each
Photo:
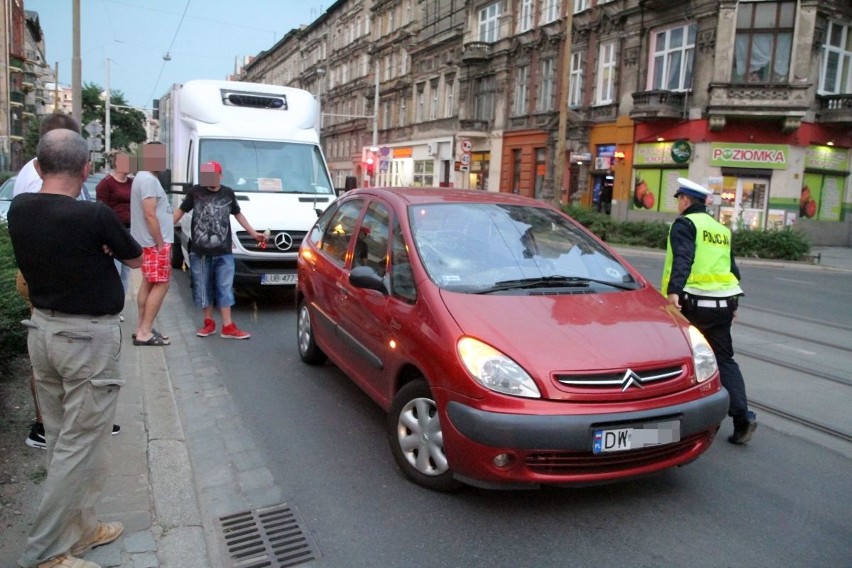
210,257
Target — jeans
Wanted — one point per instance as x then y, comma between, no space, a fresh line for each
212,280
124,272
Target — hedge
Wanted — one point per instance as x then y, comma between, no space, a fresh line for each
13,309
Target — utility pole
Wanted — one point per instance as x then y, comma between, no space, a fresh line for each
76,67
376,109
56,88
560,159
107,127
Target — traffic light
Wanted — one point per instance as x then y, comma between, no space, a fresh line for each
370,164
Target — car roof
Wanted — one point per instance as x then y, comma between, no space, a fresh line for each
429,195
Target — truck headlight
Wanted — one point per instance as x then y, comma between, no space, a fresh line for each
702,356
493,370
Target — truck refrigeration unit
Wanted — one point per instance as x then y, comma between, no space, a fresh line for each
267,141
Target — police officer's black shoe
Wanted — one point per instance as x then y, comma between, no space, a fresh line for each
743,429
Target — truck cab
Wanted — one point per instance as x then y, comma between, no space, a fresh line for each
267,141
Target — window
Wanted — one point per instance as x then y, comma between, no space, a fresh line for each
836,70
519,103
339,230
386,114
672,54
424,171
580,5
540,170
544,102
489,23
433,107
421,102
526,16
402,279
483,101
549,11
403,111
449,106
516,170
606,74
371,246
575,93
764,42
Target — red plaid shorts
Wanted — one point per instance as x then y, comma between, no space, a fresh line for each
157,264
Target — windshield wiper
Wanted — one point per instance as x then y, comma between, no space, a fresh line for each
553,282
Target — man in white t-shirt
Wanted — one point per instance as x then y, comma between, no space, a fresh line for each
28,180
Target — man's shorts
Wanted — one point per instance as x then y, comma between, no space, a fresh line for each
212,280
157,264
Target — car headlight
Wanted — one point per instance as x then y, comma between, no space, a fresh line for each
702,356
494,370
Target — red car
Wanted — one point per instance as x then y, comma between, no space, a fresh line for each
510,347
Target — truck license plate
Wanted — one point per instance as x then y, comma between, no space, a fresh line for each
637,437
278,279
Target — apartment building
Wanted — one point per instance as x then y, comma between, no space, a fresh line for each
752,97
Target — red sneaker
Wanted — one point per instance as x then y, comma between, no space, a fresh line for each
231,331
209,328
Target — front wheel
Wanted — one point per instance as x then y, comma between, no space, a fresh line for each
416,440
309,351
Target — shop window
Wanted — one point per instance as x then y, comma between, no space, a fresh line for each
836,68
764,41
672,58
424,173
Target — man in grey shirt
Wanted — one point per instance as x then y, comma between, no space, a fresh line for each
152,226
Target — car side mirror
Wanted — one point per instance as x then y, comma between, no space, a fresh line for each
367,277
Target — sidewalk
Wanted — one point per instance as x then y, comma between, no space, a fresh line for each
169,484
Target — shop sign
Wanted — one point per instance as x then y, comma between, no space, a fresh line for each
681,151
827,158
581,157
653,154
770,156
404,152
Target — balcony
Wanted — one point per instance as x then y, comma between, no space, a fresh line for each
476,52
474,124
657,105
835,109
16,98
16,64
786,102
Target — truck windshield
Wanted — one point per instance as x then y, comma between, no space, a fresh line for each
268,166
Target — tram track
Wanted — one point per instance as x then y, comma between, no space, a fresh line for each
793,367
806,422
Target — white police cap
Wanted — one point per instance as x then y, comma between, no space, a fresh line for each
692,189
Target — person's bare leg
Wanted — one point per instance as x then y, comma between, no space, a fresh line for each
226,316
141,301
153,302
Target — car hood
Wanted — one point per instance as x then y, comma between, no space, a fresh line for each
574,332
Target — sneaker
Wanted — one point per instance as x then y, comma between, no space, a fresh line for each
67,561
744,430
36,437
231,331
116,429
105,533
209,328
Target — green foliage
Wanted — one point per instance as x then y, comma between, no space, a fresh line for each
31,139
127,125
13,309
785,244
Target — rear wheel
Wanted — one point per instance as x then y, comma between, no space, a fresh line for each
309,351
416,440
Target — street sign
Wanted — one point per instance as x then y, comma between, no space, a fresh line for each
96,157
95,144
94,128
465,159
466,145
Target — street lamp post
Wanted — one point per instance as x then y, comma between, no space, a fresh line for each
107,129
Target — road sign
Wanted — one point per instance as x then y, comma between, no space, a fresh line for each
94,128
96,144
465,159
96,156
466,145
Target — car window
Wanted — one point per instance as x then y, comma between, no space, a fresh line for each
472,247
371,247
339,231
7,190
401,277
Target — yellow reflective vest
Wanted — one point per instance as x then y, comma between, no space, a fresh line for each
711,268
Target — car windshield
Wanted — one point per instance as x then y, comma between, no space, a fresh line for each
7,190
268,166
499,248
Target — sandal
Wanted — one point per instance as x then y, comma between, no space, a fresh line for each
154,341
155,332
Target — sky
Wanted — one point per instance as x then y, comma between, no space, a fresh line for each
203,38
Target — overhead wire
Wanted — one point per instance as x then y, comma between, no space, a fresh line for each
174,39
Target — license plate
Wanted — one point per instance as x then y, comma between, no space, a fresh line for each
278,279
635,437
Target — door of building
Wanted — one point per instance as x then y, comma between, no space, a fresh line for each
744,203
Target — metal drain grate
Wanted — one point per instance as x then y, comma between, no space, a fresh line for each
271,537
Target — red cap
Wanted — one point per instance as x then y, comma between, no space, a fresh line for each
215,166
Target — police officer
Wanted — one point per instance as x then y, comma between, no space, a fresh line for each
701,278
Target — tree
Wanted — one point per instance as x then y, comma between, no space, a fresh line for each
127,125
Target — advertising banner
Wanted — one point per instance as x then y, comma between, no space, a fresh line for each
765,156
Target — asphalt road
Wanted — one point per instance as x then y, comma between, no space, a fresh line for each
784,500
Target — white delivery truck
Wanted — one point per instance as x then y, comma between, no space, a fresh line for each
266,138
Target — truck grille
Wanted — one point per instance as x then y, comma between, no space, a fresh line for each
279,241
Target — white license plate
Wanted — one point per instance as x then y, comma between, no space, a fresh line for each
278,279
637,437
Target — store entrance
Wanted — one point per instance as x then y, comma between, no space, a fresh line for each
744,203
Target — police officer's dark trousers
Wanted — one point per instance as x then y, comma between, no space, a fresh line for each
715,324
